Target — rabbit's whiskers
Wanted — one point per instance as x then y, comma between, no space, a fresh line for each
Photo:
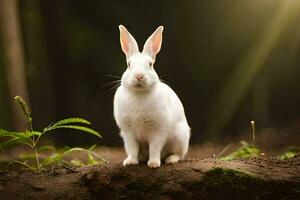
112,86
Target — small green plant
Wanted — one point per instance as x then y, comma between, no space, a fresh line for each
291,152
31,139
245,150
57,156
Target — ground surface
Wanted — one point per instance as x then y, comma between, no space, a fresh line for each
260,178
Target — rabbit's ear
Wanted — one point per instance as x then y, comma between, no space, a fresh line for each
153,44
128,43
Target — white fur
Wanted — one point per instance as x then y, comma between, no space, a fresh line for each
148,112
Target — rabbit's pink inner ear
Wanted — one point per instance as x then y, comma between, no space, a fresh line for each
124,43
153,43
128,43
156,41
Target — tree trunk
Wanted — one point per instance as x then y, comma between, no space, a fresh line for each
14,58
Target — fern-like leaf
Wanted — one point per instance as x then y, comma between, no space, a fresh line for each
81,128
13,141
73,120
15,134
5,133
8,143
28,134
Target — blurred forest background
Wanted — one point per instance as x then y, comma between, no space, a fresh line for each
229,61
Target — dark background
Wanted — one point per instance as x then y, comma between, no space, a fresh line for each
229,61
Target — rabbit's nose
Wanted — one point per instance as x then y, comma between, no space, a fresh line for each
139,77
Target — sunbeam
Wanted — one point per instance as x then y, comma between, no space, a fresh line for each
240,81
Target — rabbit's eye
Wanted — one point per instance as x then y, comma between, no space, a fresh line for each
128,64
150,64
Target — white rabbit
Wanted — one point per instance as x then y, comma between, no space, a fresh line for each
148,112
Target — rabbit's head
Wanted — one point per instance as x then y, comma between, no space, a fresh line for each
140,74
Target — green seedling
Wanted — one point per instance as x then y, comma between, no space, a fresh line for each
58,157
291,152
245,150
31,139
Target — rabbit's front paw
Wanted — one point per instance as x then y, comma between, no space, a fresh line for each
153,163
130,161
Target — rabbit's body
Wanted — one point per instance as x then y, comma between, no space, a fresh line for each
148,112
157,113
